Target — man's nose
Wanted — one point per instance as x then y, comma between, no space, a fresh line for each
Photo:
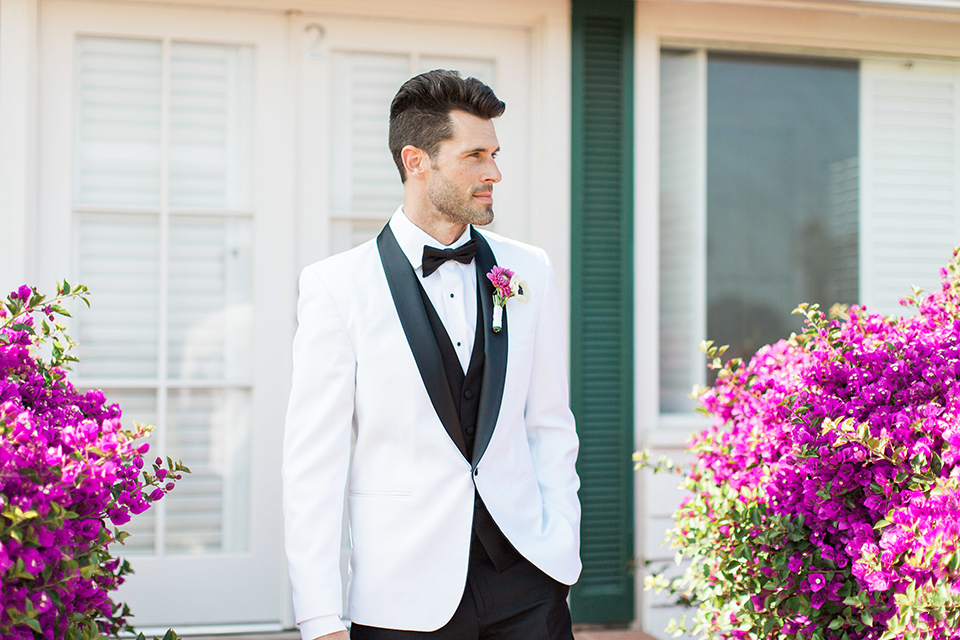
491,172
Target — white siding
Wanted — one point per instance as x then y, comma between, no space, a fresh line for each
910,156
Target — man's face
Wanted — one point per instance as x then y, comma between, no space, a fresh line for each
464,170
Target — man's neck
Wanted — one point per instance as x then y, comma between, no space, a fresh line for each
443,231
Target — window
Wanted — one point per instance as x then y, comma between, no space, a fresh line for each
162,226
759,202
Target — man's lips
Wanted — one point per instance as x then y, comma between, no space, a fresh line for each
485,196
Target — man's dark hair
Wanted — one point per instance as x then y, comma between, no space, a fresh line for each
420,112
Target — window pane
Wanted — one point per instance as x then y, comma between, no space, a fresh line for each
210,314
118,121
682,205
209,509
364,177
781,194
119,260
211,103
347,234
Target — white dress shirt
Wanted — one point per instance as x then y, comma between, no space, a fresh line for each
452,290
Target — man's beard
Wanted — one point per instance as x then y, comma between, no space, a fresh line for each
457,207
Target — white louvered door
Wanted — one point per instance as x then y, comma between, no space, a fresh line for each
165,156
910,184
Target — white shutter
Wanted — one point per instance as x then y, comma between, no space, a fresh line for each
118,121
365,178
211,98
210,296
682,226
910,158
209,510
118,258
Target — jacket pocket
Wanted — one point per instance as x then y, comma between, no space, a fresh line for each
522,341
523,478
379,494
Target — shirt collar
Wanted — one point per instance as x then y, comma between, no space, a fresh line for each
412,238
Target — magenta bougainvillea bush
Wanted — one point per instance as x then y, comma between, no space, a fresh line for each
69,476
824,499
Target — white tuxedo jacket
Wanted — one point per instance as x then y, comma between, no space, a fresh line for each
409,487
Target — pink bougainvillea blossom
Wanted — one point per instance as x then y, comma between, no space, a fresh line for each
67,470
829,481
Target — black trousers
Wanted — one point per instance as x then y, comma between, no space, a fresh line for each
519,603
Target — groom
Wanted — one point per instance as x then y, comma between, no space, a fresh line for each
462,491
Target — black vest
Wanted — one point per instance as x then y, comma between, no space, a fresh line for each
465,390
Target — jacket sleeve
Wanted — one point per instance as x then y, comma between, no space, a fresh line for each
316,450
550,426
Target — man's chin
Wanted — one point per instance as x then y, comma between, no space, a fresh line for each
484,220
478,218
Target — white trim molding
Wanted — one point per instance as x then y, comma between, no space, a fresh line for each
18,140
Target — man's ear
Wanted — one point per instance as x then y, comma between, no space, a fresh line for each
415,160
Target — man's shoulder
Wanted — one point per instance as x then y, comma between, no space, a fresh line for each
517,256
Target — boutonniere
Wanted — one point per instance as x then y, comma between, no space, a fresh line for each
506,285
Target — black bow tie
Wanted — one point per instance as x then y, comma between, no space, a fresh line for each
433,257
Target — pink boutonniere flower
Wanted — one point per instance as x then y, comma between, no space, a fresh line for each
506,285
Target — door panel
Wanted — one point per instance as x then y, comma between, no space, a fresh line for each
165,157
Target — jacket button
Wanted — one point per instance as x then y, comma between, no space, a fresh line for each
476,472
467,393
471,431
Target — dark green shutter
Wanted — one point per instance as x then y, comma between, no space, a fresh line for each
601,331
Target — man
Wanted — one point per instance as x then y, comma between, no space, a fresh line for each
464,516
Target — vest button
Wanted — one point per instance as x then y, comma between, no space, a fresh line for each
471,430
467,393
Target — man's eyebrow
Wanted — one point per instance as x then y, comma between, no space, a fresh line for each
481,150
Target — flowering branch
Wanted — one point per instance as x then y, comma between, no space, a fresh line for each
824,501
67,467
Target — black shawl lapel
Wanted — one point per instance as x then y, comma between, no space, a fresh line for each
405,290
494,351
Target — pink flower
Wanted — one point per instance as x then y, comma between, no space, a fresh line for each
500,277
816,581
